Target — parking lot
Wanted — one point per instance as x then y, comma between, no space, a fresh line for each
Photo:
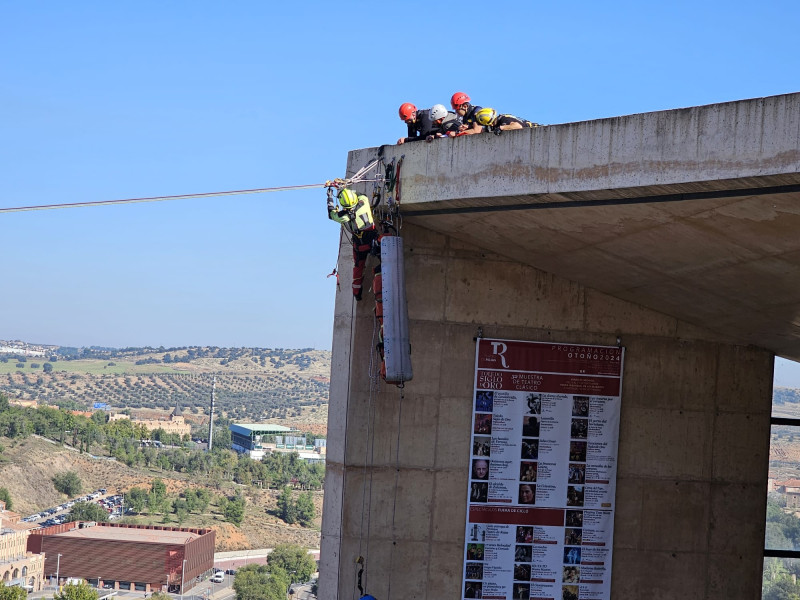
58,514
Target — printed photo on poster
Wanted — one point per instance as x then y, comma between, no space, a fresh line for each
479,492
574,518
475,571
531,425
484,401
527,493
527,471
474,551
530,449
483,423
571,575
580,428
580,406
523,553
522,591
572,536
572,556
577,473
473,589
577,451
534,402
575,495
524,534
481,446
480,468
522,572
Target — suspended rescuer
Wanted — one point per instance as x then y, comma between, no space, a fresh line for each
469,124
419,122
355,215
497,123
444,122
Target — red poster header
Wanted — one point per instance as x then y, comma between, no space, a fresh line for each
544,357
516,515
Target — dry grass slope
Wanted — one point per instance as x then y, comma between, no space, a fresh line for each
32,463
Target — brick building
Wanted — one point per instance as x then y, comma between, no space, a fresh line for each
176,423
126,557
18,566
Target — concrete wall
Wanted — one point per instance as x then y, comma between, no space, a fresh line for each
718,146
693,450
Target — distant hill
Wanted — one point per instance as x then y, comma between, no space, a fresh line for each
252,384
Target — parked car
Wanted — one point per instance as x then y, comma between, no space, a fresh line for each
218,577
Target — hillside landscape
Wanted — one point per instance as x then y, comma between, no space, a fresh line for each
281,386
29,465
252,384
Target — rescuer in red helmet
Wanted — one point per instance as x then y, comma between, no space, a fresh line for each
419,122
461,104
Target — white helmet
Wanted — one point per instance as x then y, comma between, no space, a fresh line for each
438,111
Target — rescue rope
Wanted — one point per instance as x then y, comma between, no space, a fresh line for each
284,188
396,485
369,452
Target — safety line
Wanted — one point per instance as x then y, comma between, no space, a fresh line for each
169,198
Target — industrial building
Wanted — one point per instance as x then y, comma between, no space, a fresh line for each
259,439
125,557
251,438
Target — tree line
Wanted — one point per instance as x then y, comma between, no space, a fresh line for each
122,440
780,577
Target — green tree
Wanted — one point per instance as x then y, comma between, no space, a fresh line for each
12,592
222,438
5,496
76,592
295,560
259,582
136,499
158,487
87,511
784,589
47,367
304,508
286,506
68,483
158,493
234,510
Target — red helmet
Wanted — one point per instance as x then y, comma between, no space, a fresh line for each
407,111
458,99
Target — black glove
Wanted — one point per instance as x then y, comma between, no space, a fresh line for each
376,248
497,131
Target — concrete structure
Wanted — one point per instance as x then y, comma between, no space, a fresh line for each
673,233
791,490
126,557
17,565
175,424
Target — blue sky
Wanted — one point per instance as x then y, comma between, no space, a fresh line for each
107,100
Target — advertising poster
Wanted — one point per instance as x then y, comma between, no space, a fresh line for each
543,468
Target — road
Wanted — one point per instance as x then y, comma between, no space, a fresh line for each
204,590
